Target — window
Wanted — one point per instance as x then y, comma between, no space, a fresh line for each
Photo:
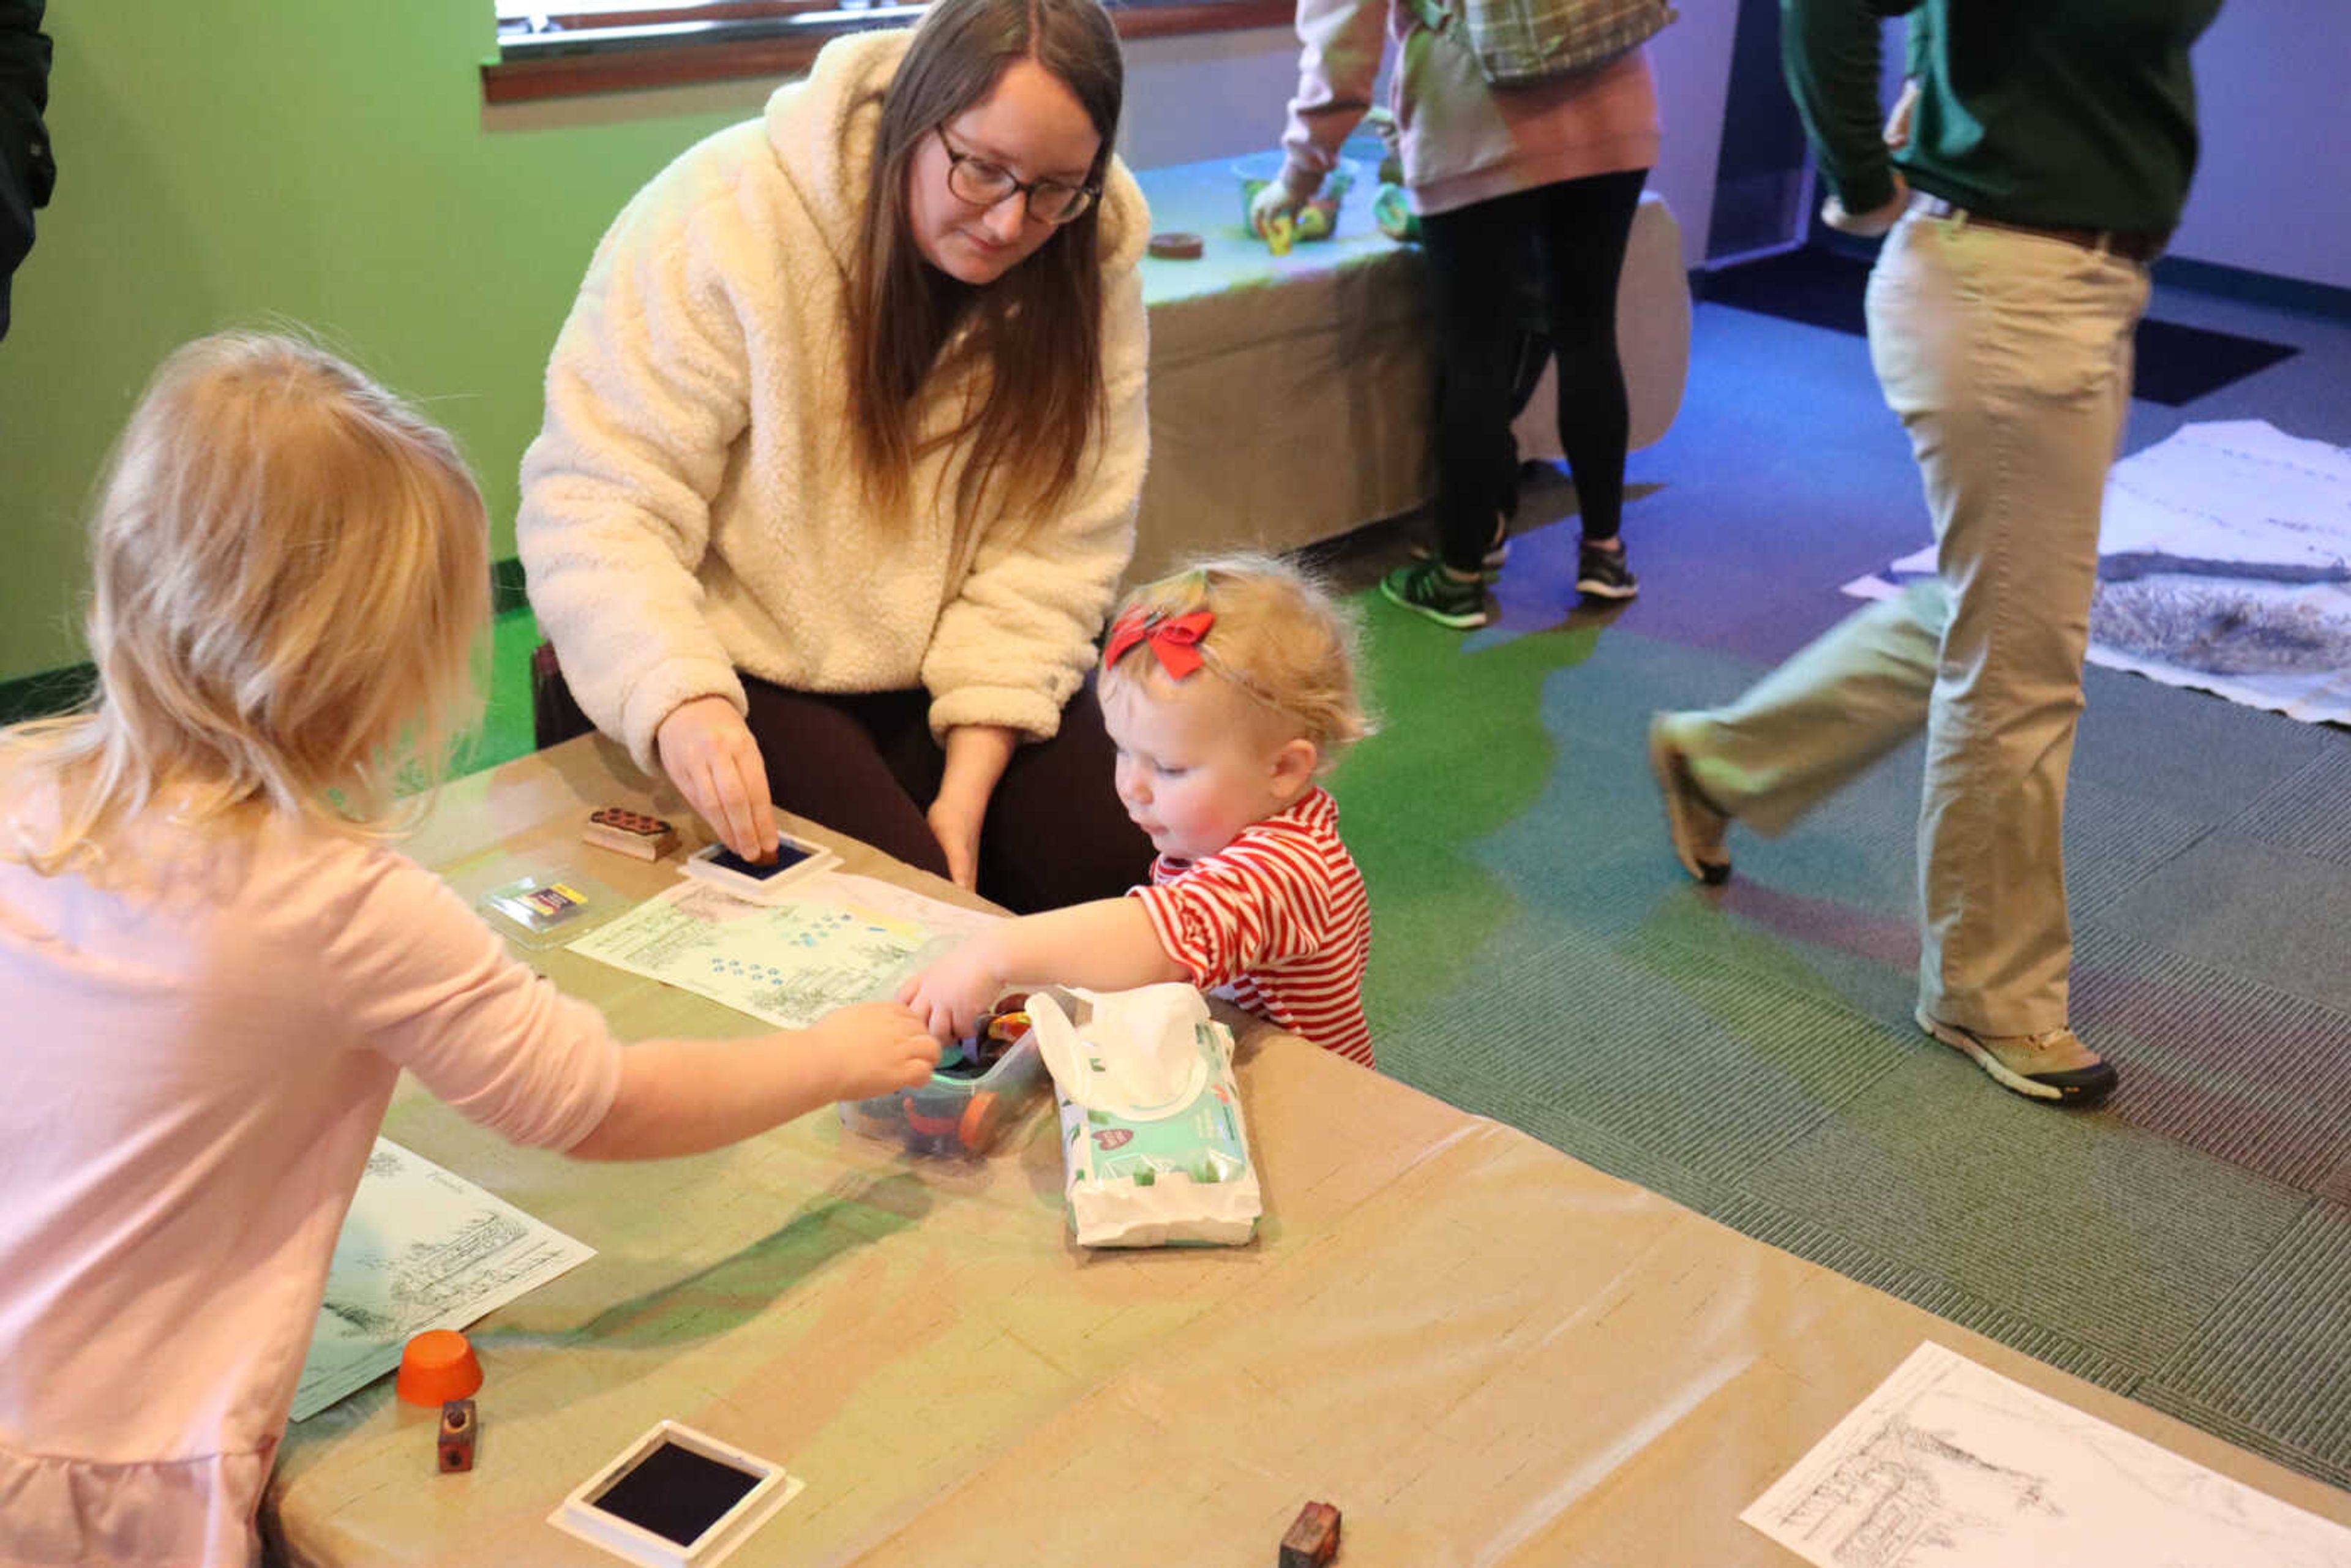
555,49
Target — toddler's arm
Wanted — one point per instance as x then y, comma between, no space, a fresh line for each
1106,946
684,1096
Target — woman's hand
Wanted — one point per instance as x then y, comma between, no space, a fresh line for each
977,757
956,823
708,753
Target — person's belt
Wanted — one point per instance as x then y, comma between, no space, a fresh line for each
2141,246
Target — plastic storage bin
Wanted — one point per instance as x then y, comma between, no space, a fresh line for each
971,1099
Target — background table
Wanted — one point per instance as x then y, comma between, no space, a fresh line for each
1481,1350
1290,397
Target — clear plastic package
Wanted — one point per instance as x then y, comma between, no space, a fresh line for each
981,1087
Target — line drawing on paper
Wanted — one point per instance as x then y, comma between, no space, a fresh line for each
1950,1465
787,964
420,1248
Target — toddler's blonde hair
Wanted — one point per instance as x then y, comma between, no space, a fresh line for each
1280,639
290,573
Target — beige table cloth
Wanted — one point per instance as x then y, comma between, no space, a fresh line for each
1480,1350
1290,397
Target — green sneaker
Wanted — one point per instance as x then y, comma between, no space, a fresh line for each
1425,588
1489,567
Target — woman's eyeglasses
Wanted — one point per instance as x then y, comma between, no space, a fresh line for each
974,180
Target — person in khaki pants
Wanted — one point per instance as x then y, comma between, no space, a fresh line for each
2032,171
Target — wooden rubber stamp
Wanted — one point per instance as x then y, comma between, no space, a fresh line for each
458,1426
632,834
1313,1539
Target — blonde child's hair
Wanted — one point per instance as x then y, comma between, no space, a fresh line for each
1280,639
290,574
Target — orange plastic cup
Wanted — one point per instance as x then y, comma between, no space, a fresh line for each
437,1366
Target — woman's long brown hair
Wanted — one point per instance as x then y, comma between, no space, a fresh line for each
1035,334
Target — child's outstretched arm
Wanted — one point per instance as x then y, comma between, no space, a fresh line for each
685,1096
1106,946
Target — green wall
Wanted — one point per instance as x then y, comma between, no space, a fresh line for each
326,161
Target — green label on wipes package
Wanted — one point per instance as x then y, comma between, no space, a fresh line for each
1202,1141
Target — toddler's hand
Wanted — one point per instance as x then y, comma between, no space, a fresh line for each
873,1048
949,997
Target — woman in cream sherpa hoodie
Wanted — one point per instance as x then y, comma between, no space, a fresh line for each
729,592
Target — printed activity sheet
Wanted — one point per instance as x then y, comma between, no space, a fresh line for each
421,1249
1950,1465
843,939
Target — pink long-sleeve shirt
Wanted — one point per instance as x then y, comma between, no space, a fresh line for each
1461,139
198,1055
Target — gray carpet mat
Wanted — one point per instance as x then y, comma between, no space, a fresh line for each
1749,1052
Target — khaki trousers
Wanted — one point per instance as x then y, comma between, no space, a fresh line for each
2007,357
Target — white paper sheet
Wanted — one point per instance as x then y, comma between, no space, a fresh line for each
1951,1465
786,965
878,897
421,1249
2224,563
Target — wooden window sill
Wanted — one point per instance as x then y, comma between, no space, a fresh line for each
785,46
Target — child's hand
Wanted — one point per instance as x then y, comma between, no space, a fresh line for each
873,1048
949,997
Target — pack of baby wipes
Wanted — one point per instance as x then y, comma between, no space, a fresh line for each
1154,1150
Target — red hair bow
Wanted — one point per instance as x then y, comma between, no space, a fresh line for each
1176,639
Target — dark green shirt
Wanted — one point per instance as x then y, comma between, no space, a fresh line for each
2065,113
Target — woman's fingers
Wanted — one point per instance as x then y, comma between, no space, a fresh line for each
709,754
750,813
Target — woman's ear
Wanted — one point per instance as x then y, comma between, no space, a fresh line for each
1294,767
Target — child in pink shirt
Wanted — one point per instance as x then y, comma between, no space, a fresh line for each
1228,690
212,968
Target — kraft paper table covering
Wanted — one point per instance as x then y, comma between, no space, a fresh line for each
1483,1350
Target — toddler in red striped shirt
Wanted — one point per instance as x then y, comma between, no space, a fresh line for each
1229,690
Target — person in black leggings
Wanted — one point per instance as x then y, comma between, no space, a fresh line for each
1535,182
1571,238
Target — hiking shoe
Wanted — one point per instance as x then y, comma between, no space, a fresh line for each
1603,574
1696,827
1425,589
2053,1065
1490,567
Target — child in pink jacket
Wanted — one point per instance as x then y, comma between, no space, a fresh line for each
212,967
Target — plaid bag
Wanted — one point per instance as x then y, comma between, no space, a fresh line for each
1519,41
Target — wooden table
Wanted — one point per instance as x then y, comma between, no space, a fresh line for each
1481,1350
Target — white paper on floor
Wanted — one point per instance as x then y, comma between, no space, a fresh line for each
2224,563
1951,1465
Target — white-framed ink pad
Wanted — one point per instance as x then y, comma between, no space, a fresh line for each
797,860
676,1499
